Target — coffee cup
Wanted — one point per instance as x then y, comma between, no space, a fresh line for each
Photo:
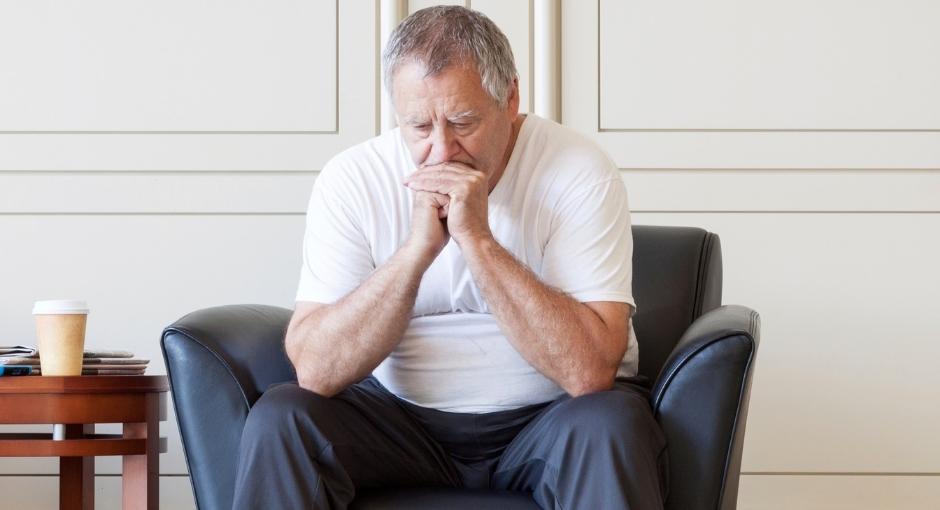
60,329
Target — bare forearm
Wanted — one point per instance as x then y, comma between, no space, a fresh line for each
577,345
561,337
343,342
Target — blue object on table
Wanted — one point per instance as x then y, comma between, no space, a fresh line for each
15,370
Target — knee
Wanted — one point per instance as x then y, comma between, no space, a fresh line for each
280,408
609,414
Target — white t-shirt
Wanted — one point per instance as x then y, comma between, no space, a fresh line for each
560,208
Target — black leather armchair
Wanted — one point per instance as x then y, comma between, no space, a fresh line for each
700,355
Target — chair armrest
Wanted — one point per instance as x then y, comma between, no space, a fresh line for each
700,399
219,361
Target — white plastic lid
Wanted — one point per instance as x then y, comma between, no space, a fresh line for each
60,306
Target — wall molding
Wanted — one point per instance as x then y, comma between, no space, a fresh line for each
676,190
546,75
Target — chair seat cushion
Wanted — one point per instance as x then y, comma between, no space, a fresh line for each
451,499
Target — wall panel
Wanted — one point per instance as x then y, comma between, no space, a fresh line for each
310,94
766,65
115,66
846,367
691,142
839,492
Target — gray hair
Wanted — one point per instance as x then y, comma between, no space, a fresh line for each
445,35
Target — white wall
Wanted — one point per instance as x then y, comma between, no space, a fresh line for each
807,134
156,159
170,172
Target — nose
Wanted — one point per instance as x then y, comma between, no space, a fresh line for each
444,146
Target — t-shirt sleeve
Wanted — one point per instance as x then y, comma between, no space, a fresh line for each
336,254
589,253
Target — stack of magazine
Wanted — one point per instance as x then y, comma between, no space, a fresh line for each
22,360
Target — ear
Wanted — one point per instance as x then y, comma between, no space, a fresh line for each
512,102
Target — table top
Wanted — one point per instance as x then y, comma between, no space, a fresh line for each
52,384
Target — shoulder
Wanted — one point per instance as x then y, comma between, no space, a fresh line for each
365,165
567,157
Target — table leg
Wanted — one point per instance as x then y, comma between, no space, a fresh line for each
77,474
141,475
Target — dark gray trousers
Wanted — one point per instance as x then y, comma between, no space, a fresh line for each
303,451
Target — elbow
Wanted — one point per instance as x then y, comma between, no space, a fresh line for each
309,368
293,347
316,385
587,383
308,379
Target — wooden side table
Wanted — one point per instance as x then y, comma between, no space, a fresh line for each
138,402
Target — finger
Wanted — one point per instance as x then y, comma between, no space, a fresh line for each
432,198
430,172
441,203
463,168
447,168
434,181
442,185
456,191
447,183
441,200
458,166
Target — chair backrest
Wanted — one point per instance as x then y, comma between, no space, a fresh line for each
676,278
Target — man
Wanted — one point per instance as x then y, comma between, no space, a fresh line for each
477,263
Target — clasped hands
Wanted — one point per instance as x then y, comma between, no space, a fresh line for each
451,199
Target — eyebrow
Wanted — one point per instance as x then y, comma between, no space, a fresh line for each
469,114
417,120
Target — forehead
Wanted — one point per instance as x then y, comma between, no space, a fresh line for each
453,90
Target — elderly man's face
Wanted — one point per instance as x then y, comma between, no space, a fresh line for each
450,118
